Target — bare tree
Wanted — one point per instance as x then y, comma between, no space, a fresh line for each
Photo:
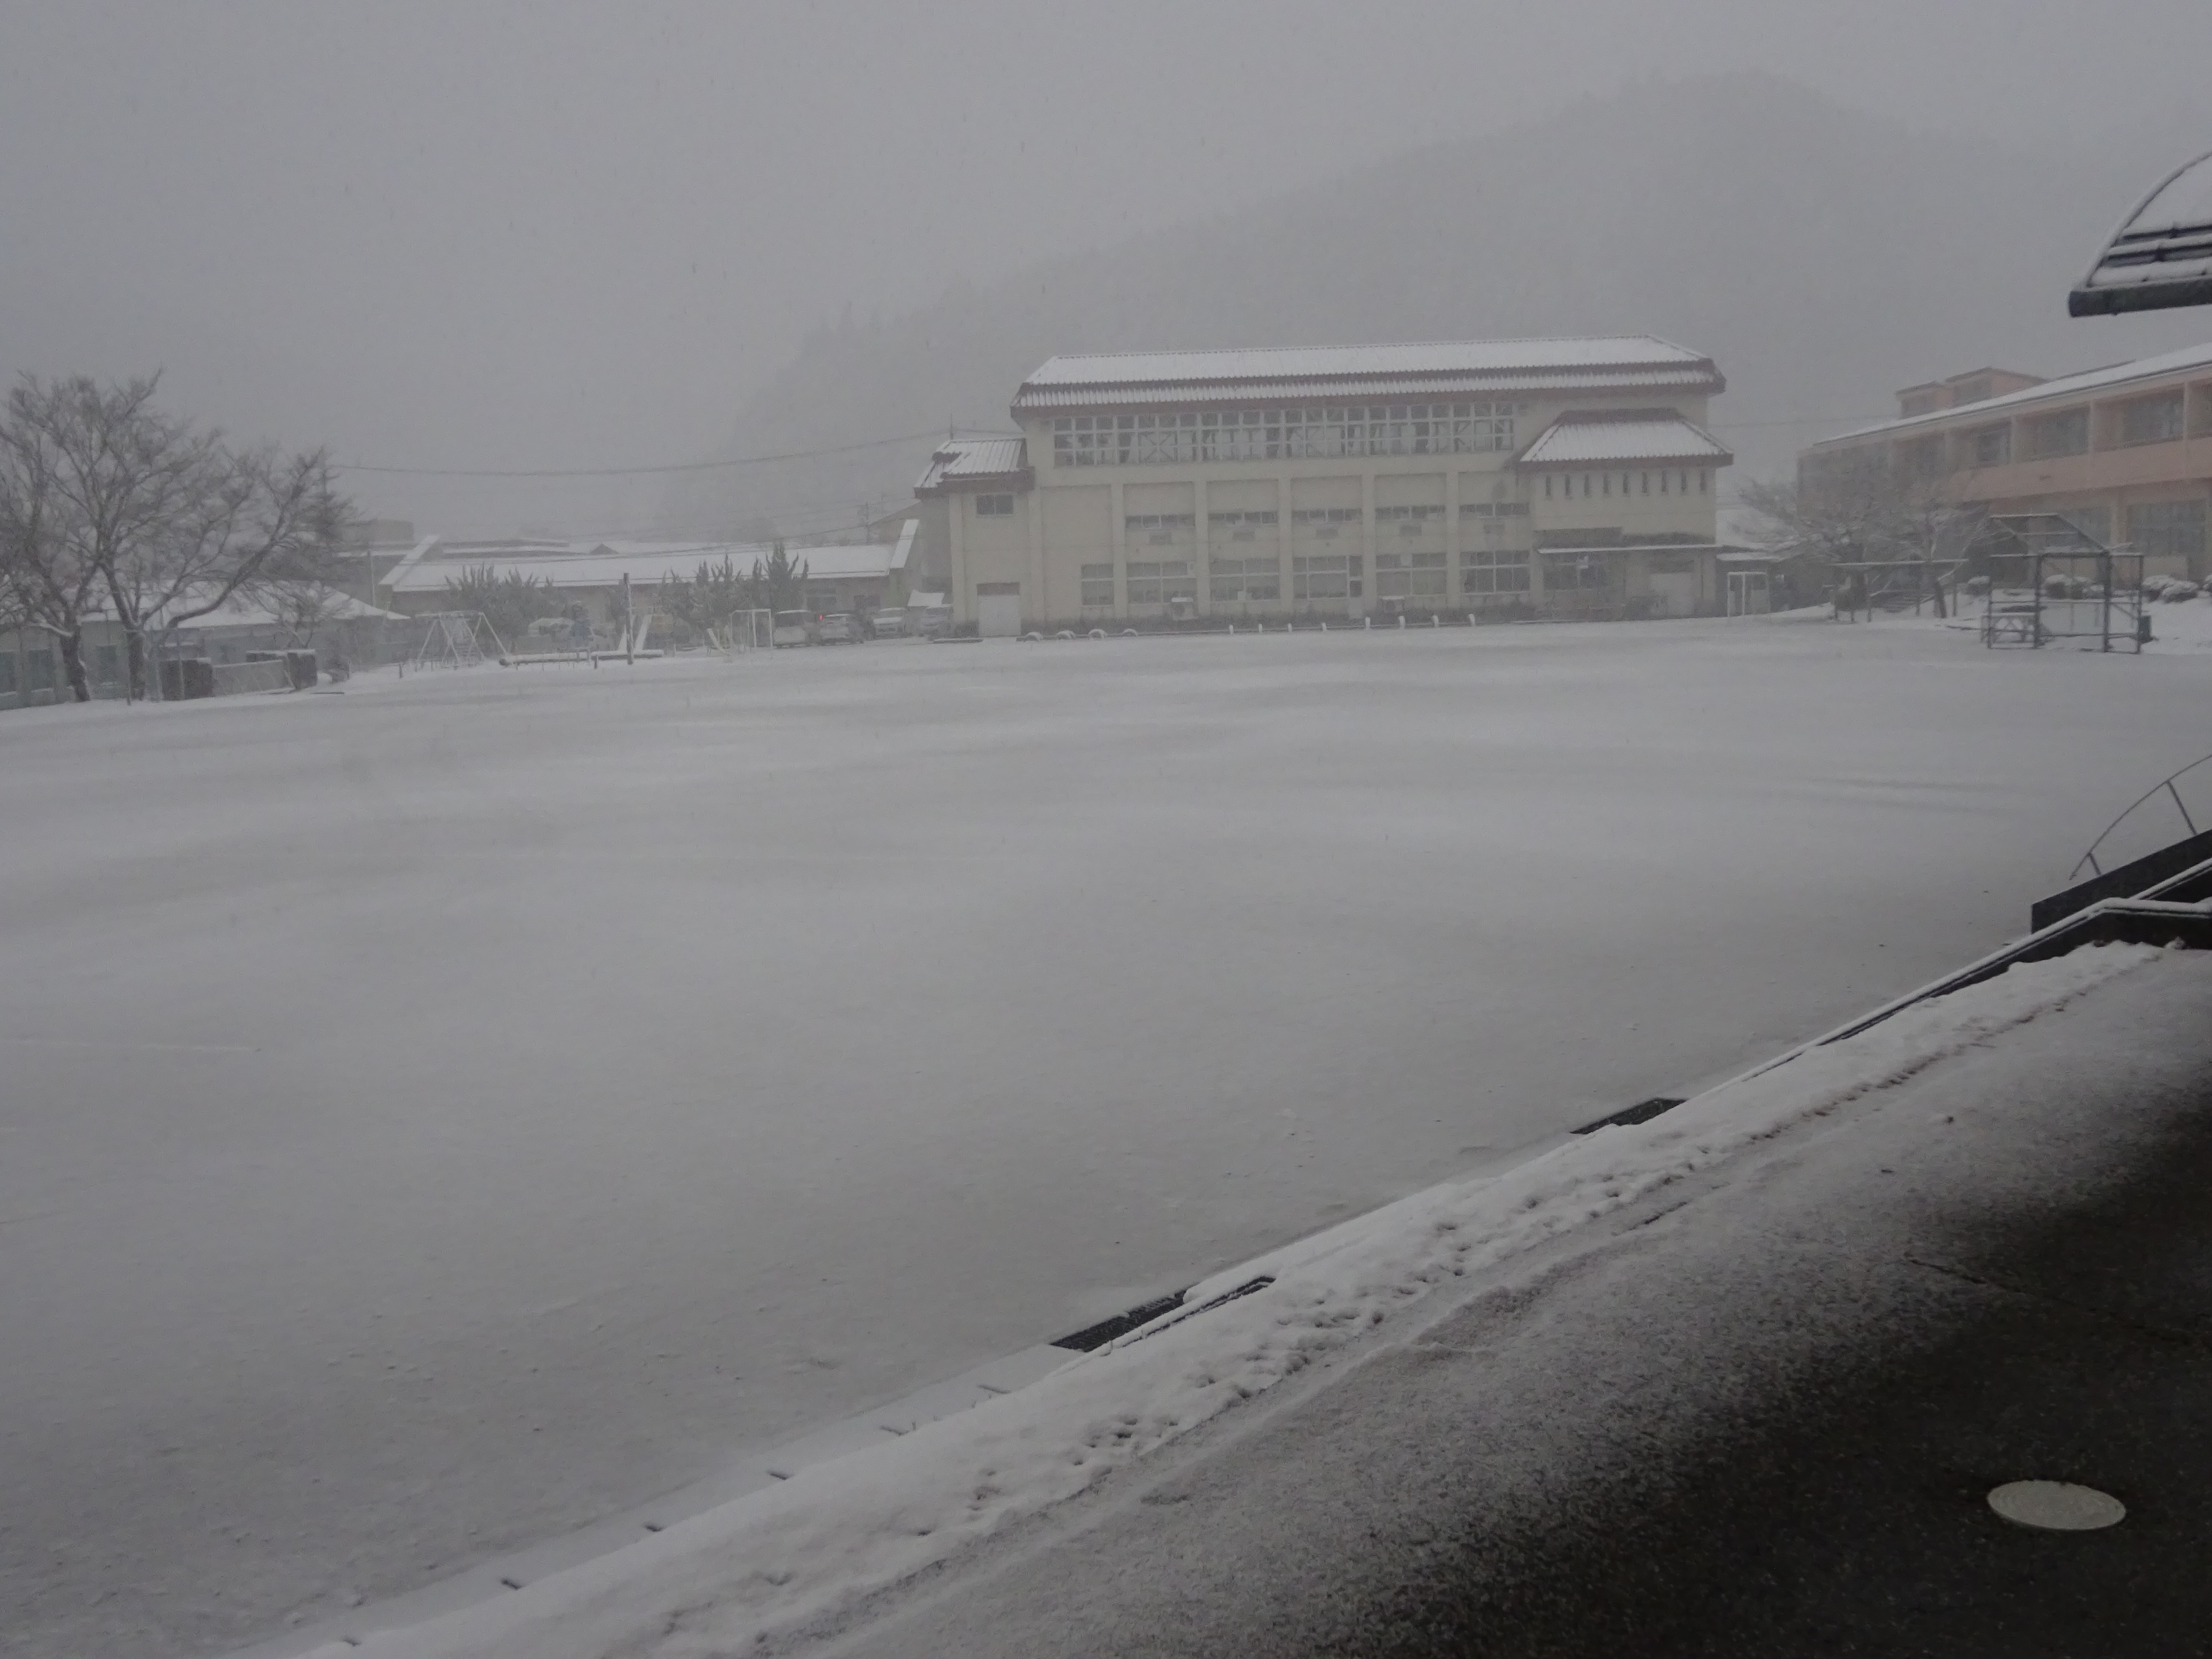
1860,510
304,596
234,522
52,436
109,504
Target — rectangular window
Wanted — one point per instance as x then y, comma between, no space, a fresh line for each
1991,445
2066,433
1921,457
2168,529
1409,575
998,590
2094,522
1160,529
1098,587
1493,571
1324,523
2152,420
1412,520
107,664
994,506
1245,579
1157,581
1325,576
7,673
1268,435
40,662
1574,570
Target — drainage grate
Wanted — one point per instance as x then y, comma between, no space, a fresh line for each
1643,1112
1099,1335
1225,1298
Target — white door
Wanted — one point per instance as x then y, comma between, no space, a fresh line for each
999,615
1746,592
1676,592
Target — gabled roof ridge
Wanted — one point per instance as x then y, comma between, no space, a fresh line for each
1189,367
1362,345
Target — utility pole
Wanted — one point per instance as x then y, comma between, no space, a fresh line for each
629,625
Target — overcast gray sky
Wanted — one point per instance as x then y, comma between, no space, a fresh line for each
508,235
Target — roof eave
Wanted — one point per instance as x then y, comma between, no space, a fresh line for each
979,483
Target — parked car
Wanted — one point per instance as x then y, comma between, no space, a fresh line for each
887,625
795,628
839,627
932,622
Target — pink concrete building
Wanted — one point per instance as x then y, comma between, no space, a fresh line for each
2124,452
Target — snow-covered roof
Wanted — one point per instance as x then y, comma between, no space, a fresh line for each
974,461
255,613
2067,386
604,564
1599,437
247,610
1577,363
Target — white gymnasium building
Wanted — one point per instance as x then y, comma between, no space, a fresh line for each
1570,477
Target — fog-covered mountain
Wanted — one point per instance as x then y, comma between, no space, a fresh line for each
1823,257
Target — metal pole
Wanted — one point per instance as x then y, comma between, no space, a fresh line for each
629,625
2104,572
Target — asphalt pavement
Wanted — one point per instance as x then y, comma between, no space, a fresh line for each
1762,1416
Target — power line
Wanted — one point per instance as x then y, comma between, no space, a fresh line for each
631,472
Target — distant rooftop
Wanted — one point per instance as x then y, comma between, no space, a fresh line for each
1473,367
2065,386
604,564
1602,437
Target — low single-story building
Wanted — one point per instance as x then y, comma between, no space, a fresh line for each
334,624
31,673
862,578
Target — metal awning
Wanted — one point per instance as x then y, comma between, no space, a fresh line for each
2161,257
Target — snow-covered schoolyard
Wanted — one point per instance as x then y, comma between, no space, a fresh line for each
437,1116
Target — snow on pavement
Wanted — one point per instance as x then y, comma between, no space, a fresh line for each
731,1578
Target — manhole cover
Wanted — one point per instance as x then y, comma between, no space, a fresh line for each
2056,1506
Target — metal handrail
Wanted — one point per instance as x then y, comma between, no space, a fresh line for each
2089,857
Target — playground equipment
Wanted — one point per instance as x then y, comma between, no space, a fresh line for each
2050,580
456,638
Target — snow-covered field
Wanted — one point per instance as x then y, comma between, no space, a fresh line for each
435,1117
